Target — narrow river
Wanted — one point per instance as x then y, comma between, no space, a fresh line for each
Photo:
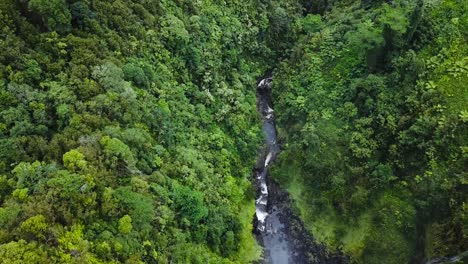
270,226
279,230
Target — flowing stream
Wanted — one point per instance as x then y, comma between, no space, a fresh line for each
271,148
279,230
270,227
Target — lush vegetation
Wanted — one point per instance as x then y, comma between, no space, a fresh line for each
372,107
128,128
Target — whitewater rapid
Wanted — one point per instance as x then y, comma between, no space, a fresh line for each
279,230
277,249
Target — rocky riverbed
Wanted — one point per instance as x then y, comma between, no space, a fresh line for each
278,229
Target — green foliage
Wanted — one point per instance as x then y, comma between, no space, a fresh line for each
368,107
73,160
21,194
189,205
174,33
135,74
128,129
81,12
54,13
8,214
125,224
395,18
110,77
35,225
117,154
310,23
73,248
17,252
139,206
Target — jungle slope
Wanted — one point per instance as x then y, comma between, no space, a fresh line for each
128,129
372,109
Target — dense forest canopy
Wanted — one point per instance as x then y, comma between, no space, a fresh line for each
128,128
372,108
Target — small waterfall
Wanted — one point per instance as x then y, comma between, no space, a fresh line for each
274,238
281,233
263,93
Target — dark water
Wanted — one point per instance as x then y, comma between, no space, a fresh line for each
272,230
278,229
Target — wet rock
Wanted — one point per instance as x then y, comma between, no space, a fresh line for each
278,229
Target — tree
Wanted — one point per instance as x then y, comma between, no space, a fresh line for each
125,224
18,252
118,155
110,77
35,225
54,13
80,12
74,160
174,32
189,204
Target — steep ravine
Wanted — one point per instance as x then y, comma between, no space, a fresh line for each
278,229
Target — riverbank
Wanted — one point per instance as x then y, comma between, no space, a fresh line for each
278,229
